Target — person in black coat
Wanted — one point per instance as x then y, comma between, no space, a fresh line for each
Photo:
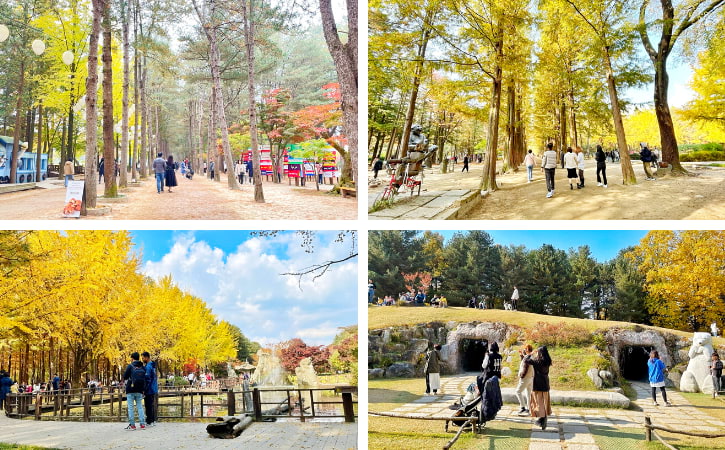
540,402
601,159
170,178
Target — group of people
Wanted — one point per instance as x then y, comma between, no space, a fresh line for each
141,383
8,386
241,168
573,162
165,171
532,390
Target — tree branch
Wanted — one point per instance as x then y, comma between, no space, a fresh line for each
321,269
643,32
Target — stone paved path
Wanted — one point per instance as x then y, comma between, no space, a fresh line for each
177,435
570,428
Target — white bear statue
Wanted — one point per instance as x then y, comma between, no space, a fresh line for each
697,376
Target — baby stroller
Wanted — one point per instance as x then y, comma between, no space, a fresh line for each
189,174
489,399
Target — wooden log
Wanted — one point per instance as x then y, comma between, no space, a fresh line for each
257,404
243,424
455,438
231,403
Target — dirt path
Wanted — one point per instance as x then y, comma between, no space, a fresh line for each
698,197
197,199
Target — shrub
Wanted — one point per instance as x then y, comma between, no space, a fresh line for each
559,334
511,340
603,363
635,156
710,146
703,155
599,341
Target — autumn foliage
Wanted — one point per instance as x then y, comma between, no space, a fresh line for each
295,350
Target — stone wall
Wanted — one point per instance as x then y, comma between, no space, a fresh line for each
400,351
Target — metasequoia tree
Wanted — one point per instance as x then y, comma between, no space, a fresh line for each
109,171
607,22
673,21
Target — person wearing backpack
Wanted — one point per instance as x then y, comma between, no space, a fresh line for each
152,389
716,367
646,156
135,378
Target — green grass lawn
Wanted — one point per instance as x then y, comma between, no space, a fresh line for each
4,446
391,316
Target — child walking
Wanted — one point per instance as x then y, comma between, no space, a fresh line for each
657,372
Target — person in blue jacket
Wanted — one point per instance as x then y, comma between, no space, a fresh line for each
657,372
152,389
5,383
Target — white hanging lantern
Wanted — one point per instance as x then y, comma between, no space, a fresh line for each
4,33
67,57
38,47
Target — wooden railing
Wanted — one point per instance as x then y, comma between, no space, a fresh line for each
183,403
650,429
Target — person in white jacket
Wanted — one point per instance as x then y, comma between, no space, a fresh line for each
570,164
526,380
548,165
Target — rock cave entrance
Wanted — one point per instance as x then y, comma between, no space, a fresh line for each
633,362
472,353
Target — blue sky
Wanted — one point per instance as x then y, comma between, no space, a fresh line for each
603,244
238,276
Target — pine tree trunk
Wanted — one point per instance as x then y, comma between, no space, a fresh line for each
111,190
248,18
123,180
211,141
89,190
143,156
40,143
628,177
18,120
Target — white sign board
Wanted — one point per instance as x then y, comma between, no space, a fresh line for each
73,199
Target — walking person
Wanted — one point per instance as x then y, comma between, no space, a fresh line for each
377,167
432,370
570,164
646,157
491,364
5,383
465,164
170,173
371,291
101,170
580,167
159,166
250,171
68,171
548,165
318,169
515,299
211,169
526,379
657,372
716,367
151,393
601,159
135,378
540,403
530,161
239,171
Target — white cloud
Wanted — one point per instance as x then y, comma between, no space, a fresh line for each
245,287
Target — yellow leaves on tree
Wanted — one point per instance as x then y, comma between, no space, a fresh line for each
84,289
685,277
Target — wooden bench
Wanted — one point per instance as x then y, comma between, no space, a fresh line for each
348,191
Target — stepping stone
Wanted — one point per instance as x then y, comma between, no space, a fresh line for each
579,438
582,446
544,446
545,436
